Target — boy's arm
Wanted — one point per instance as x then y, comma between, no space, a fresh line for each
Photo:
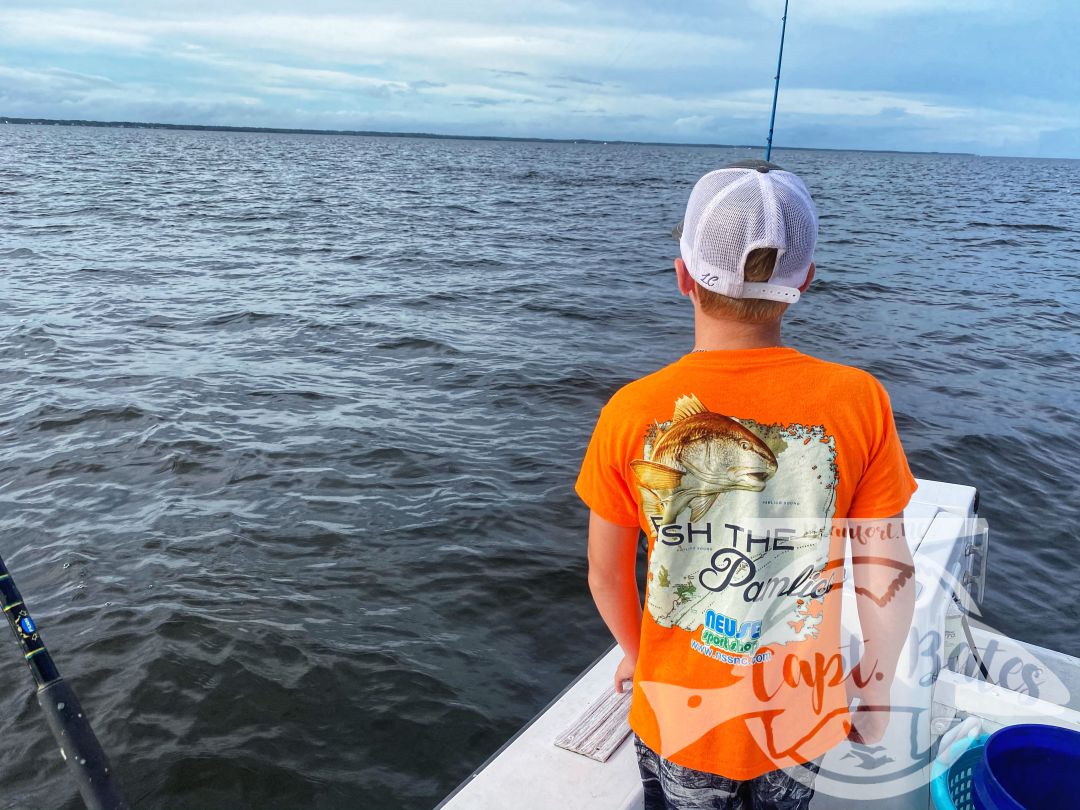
884,577
613,583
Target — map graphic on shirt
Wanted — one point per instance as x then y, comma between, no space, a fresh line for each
740,514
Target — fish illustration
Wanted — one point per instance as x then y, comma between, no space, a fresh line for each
699,457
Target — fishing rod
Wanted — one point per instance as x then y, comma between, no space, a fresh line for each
67,720
776,87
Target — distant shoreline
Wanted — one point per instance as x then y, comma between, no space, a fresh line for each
59,122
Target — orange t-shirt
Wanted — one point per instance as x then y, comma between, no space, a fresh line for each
736,464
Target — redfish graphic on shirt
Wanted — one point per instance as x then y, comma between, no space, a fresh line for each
740,514
697,458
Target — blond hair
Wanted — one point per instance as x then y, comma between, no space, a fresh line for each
759,267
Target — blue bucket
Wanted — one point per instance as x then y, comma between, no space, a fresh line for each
1028,767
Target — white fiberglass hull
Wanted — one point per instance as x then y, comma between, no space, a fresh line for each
530,773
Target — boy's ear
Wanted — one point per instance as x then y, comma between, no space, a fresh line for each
686,281
809,278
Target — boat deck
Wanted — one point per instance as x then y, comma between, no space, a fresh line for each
529,771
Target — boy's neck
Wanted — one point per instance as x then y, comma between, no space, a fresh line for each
713,334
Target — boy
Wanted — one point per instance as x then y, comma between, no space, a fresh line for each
747,464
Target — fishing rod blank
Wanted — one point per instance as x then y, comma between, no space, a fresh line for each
776,87
68,722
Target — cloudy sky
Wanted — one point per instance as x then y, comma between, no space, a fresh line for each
989,76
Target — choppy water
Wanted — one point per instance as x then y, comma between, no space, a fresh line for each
290,424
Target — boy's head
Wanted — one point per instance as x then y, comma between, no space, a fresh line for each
747,241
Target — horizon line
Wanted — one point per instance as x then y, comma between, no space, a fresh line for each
441,136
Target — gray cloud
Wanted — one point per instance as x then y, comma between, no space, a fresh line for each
868,72
579,80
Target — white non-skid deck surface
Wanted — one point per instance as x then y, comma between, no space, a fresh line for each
533,773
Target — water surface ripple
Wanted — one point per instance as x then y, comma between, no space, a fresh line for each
290,425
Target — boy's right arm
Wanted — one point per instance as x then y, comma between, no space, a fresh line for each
884,578
613,583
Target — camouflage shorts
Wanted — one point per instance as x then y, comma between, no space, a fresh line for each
672,787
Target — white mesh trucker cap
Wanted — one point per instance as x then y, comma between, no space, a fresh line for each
743,206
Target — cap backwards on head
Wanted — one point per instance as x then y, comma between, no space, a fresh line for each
741,207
